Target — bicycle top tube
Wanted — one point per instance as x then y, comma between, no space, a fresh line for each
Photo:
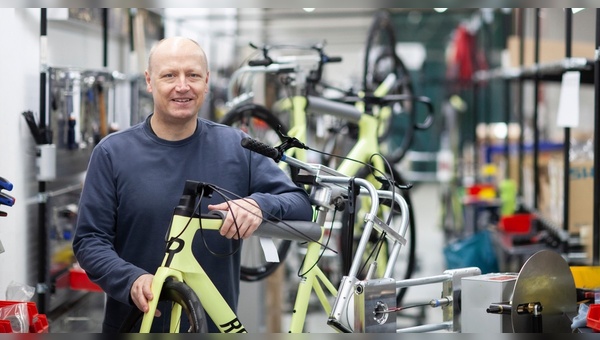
330,107
304,231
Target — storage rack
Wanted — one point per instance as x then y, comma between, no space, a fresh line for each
590,74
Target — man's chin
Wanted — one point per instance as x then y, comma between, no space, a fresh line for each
184,114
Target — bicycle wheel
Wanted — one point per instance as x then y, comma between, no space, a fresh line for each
260,123
173,293
406,262
380,60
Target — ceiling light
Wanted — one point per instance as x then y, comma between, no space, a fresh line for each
440,10
308,9
575,10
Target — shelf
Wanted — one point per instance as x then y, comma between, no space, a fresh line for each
548,71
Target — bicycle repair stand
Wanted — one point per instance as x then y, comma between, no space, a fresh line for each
375,302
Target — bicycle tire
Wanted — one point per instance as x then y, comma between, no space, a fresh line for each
411,237
176,292
380,59
260,123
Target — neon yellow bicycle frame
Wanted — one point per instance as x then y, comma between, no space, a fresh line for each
179,263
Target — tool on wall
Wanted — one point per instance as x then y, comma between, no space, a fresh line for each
5,199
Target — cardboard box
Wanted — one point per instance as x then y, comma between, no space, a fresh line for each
581,195
550,51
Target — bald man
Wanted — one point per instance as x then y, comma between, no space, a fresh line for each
135,178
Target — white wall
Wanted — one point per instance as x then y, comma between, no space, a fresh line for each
69,44
19,91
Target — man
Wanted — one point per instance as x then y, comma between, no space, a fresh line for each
135,178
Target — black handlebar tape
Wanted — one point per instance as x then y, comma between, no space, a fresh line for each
260,62
261,148
5,184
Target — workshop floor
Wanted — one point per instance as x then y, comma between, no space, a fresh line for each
85,316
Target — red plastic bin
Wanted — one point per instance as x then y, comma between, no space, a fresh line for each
38,323
516,223
593,317
78,280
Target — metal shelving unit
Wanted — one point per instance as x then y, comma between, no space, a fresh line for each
551,72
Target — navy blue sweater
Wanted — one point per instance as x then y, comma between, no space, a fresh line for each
133,182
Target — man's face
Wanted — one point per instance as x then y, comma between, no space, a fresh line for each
178,80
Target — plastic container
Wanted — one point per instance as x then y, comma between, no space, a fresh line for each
38,323
78,280
516,223
593,317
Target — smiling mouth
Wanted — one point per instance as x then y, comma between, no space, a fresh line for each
182,100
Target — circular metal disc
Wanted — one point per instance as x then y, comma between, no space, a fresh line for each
545,278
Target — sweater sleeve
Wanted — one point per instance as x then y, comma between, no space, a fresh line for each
96,231
275,193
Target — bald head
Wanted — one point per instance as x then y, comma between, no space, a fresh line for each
175,45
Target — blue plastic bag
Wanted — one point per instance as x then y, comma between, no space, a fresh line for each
476,250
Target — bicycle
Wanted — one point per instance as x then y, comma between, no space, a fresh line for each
264,125
181,279
380,61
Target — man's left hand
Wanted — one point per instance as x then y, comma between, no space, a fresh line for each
243,218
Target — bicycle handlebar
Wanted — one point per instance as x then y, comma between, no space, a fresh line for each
310,63
327,177
261,148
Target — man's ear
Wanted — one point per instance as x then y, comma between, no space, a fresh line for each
207,78
148,86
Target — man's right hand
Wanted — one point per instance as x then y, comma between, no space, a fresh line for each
141,292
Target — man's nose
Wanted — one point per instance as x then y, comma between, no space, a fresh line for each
182,83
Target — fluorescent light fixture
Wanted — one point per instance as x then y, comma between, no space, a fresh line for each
308,9
440,10
576,10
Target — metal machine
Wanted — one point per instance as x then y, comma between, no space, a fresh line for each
541,298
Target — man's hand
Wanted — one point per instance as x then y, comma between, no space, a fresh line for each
243,218
141,292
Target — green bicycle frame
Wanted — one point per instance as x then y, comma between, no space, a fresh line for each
366,146
369,126
179,263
